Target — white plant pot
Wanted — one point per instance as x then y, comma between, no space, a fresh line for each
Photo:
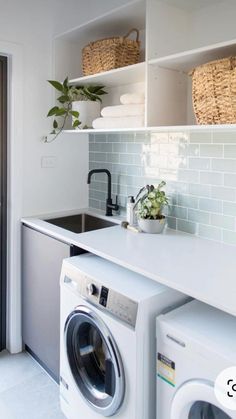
152,226
88,111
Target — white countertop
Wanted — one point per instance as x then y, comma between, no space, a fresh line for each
200,268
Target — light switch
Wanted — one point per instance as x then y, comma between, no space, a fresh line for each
48,162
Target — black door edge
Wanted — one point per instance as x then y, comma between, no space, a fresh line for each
3,195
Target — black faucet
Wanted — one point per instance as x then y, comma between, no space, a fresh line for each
109,205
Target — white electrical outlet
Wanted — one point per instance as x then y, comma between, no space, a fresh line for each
48,162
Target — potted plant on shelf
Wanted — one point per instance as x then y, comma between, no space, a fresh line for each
82,103
150,202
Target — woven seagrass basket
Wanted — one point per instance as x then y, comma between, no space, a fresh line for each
214,92
110,53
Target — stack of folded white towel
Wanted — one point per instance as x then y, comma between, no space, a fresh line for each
130,114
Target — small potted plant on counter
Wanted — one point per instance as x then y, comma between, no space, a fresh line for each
150,202
82,103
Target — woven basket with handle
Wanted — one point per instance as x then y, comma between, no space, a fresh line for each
110,53
214,92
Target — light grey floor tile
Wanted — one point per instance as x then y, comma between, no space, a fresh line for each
16,368
34,397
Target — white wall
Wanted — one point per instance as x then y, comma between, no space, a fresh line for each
30,24
27,27
33,24
75,12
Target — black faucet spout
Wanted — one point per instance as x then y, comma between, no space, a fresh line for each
109,205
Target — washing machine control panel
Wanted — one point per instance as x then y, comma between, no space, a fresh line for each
117,304
103,296
91,289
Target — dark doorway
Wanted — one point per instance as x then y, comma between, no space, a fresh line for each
3,198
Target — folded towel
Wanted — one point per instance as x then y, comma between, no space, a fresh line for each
132,98
126,122
123,110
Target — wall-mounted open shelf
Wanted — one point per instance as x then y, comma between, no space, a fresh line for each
198,32
187,60
120,76
173,128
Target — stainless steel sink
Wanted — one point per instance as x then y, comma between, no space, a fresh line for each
80,223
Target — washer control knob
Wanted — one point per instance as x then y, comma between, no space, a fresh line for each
91,289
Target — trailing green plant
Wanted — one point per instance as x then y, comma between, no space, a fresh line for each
68,95
150,202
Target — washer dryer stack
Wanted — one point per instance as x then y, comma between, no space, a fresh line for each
108,339
195,343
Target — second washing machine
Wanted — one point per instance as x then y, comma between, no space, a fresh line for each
195,343
108,339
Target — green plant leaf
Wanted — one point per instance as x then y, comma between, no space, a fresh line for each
76,123
87,92
96,98
65,82
60,112
151,201
53,132
91,89
53,111
56,84
68,95
74,113
55,124
63,99
101,92
95,89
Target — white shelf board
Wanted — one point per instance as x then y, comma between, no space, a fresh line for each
177,128
120,76
187,60
94,131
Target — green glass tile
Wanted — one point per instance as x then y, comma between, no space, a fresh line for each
212,205
211,150
223,221
198,216
210,232
187,226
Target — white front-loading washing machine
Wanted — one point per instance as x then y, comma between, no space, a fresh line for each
195,343
107,365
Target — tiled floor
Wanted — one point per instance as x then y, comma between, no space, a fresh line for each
26,391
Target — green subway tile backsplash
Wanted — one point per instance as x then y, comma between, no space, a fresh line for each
224,165
198,166
210,232
230,180
211,178
224,136
211,150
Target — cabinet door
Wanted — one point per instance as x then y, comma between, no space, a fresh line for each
42,260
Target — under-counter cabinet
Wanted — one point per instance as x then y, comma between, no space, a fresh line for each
42,259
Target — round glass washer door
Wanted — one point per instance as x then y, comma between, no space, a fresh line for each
94,361
196,400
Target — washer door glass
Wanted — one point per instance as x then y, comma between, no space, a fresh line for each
94,361
204,410
196,400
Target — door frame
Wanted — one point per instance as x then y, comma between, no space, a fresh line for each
3,194
15,142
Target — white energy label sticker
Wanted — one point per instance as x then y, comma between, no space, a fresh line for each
166,369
